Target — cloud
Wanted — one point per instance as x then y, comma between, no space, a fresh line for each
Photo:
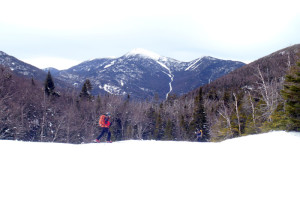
46,62
185,30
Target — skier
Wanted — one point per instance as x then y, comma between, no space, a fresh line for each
105,123
199,134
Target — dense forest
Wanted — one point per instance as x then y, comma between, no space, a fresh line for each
256,98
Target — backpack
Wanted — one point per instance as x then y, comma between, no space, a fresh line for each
104,121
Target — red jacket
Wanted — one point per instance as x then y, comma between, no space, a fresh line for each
104,121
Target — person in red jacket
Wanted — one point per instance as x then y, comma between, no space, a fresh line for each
105,123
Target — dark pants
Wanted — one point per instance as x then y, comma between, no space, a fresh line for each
105,130
199,138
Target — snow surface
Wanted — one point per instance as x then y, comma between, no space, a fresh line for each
193,64
112,89
156,57
254,174
144,53
112,63
169,75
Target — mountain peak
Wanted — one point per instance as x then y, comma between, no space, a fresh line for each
144,53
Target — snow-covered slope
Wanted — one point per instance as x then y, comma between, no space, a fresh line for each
139,73
26,70
255,174
144,53
143,74
21,68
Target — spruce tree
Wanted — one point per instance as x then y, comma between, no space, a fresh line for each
227,98
117,128
199,121
183,127
169,135
49,85
151,118
158,132
86,90
32,81
291,94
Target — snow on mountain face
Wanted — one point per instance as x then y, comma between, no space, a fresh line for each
139,73
26,70
192,65
139,52
143,74
21,68
143,53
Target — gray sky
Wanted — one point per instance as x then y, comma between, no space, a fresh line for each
63,33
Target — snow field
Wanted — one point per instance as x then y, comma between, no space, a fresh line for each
254,174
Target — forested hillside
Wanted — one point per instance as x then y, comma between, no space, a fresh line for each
248,100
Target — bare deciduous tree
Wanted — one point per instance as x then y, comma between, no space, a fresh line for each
270,93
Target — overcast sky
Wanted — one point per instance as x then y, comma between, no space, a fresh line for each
62,33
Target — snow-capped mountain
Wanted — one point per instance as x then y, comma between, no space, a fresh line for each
139,73
143,74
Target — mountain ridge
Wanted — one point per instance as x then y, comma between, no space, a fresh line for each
139,73
143,74
21,68
274,66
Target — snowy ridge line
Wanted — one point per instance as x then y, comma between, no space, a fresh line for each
143,52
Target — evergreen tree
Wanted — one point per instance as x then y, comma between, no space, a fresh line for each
199,121
86,90
279,121
32,81
212,95
88,85
226,98
183,127
169,135
291,94
49,85
158,132
117,128
151,118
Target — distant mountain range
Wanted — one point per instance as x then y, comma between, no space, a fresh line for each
139,73
143,74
